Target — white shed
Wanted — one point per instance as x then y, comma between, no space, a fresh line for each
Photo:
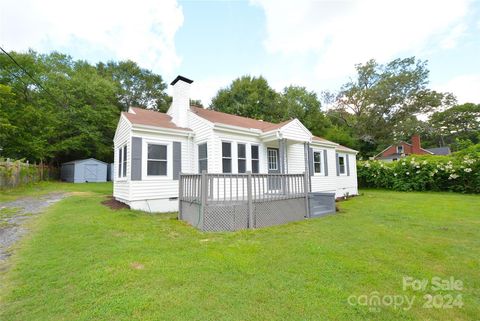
89,170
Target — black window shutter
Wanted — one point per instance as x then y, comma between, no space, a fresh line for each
325,161
177,160
338,165
136,172
348,165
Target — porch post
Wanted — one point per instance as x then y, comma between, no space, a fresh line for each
203,194
249,199
281,156
180,195
306,190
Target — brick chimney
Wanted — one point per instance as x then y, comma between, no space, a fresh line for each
181,101
416,145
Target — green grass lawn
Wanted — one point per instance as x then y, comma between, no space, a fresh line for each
84,261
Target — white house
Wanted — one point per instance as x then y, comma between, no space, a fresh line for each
152,149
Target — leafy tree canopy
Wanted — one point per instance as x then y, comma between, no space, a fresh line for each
253,97
136,86
381,97
72,108
249,97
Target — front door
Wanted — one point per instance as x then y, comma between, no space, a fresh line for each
273,165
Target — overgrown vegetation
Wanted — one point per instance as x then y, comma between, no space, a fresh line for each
16,173
85,261
459,172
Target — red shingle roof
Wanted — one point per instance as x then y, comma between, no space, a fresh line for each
320,139
234,120
157,119
339,147
151,118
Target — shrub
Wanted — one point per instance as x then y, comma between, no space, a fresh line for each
459,172
16,172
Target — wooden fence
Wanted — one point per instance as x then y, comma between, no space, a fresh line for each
17,173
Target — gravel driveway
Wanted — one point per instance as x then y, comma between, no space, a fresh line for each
14,215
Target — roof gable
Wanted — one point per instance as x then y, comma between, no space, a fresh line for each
294,129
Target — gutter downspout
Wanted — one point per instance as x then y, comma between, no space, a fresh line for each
307,164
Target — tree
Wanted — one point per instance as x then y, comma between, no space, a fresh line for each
459,123
67,111
137,87
196,102
300,103
381,97
249,97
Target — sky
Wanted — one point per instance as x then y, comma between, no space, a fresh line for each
315,44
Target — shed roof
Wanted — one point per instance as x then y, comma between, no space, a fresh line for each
83,160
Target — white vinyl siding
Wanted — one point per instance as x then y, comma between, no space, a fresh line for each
121,186
160,187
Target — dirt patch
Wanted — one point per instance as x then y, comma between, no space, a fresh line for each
15,214
114,204
137,266
81,193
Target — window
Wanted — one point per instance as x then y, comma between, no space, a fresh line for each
317,162
226,157
122,161
399,149
242,158
202,157
125,161
255,159
272,159
157,160
341,164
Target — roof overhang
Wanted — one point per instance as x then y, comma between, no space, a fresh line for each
323,143
347,150
162,130
237,129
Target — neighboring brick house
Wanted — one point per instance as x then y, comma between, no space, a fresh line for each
403,149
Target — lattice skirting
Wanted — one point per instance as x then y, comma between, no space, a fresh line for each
191,213
279,212
233,217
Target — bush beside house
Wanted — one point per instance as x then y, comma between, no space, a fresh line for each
459,172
